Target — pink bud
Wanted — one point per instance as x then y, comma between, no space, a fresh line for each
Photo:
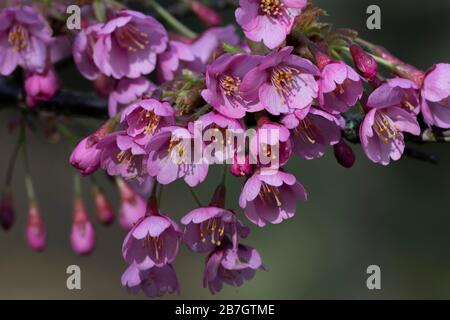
82,236
132,206
85,158
36,232
364,62
206,14
103,207
41,87
241,170
344,154
7,210
322,59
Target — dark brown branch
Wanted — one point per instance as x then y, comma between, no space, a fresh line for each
66,102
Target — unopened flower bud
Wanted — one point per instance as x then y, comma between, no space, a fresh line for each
364,62
104,85
86,157
132,205
82,236
102,206
41,86
241,169
36,232
206,14
344,154
7,209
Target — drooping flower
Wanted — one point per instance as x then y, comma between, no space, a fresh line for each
284,82
7,215
174,154
435,95
218,132
340,87
271,145
82,236
41,86
25,38
311,134
223,81
132,206
127,45
269,21
146,117
126,91
153,240
396,92
121,156
231,266
154,282
381,133
206,227
103,207
241,168
36,232
271,197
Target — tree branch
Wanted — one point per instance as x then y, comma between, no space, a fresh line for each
66,102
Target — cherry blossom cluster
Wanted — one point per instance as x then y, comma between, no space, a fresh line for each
316,88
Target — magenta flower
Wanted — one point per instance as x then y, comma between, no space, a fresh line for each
284,81
271,198
269,21
396,92
340,87
146,117
83,52
223,81
7,215
169,62
85,157
344,154
82,236
25,39
36,232
126,91
435,94
217,136
42,86
127,45
364,62
231,266
271,145
311,134
155,282
173,155
206,227
381,133
132,206
120,155
153,241
241,168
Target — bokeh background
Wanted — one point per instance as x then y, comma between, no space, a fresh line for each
397,217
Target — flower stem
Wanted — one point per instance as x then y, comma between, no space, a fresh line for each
170,19
77,185
28,180
195,196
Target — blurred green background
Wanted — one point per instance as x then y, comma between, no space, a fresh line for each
397,217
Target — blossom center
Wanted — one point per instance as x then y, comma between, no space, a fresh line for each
283,79
214,228
131,38
307,130
230,85
385,127
272,8
126,156
151,120
270,194
18,38
155,243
